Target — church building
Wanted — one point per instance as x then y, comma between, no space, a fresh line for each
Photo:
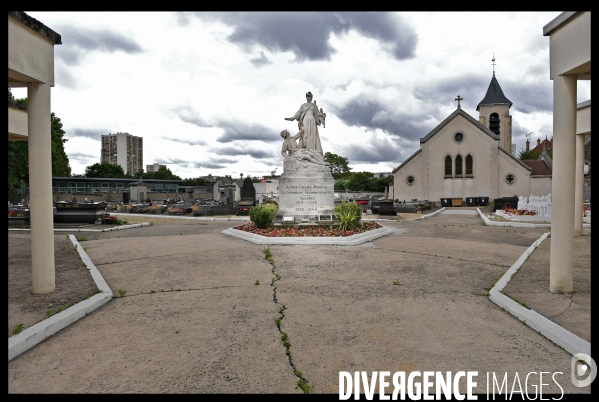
465,157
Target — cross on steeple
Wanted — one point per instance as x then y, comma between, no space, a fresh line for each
459,98
493,63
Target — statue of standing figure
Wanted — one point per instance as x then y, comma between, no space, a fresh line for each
309,118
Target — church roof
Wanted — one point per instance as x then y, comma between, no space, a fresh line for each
539,167
516,159
494,95
451,117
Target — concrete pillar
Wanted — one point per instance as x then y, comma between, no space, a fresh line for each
579,185
40,188
562,188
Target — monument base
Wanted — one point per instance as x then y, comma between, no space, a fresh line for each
306,198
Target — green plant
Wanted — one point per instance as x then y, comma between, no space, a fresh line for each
82,238
396,282
48,313
96,237
278,322
122,292
303,384
257,282
86,296
263,216
348,214
152,291
18,328
69,304
58,310
151,223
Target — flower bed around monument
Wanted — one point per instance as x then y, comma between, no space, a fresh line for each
306,231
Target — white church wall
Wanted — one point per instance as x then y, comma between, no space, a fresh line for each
539,186
403,191
443,143
521,177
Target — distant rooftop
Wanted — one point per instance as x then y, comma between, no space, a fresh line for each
36,26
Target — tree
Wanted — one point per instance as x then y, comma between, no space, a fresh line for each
528,155
338,164
196,182
105,170
18,156
60,160
359,181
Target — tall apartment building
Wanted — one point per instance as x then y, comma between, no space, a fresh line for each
154,167
123,149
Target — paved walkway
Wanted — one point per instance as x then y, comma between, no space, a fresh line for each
199,313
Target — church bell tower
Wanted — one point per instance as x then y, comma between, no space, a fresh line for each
494,113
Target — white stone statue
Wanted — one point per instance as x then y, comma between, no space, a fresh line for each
309,117
290,149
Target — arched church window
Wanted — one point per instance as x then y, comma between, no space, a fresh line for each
494,123
448,163
458,166
469,163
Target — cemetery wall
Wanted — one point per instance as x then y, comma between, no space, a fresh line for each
539,185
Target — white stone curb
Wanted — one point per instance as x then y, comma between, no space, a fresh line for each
427,215
519,224
193,218
136,225
353,240
560,336
35,334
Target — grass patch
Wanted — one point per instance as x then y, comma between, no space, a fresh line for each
122,292
18,328
396,282
48,313
257,282
81,238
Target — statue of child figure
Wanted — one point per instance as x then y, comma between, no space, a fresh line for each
291,150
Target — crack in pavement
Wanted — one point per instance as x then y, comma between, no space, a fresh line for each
302,383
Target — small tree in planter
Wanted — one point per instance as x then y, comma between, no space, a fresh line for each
349,215
263,215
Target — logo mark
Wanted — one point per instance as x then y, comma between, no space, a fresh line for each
584,370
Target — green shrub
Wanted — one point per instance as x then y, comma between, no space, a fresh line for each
349,215
263,215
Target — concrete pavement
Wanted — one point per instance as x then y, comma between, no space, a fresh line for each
414,300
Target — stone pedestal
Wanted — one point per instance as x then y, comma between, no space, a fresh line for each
306,195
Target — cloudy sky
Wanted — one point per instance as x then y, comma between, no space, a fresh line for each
208,92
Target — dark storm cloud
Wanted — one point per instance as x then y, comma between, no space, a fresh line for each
209,165
530,97
186,142
306,34
375,150
239,151
526,96
81,157
471,87
261,61
190,115
64,78
373,114
237,130
78,41
93,133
